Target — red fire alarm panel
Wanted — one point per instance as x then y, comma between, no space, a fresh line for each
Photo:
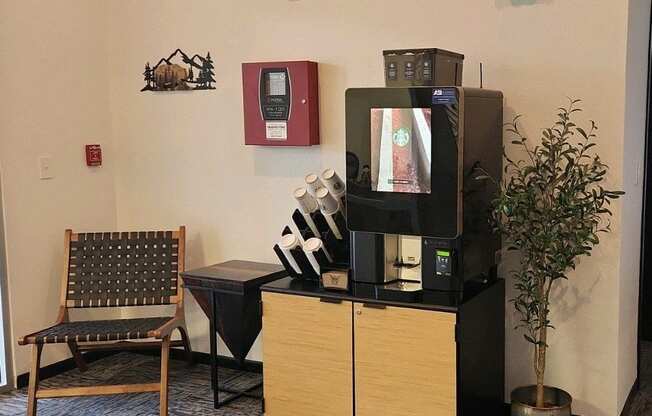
281,103
93,155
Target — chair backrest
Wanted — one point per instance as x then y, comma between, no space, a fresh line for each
123,268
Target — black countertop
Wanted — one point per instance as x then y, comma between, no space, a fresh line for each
367,293
233,275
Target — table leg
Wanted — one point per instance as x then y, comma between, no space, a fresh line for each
213,342
235,394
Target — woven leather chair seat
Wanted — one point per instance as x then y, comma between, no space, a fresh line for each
107,330
119,269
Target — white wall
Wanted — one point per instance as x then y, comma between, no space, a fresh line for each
182,160
632,206
53,78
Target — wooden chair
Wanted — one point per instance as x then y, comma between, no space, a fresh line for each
115,270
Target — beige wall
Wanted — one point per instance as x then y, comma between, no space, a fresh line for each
53,78
6,344
182,160
178,158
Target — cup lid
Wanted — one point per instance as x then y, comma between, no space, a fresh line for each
311,178
312,244
321,193
328,173
300,192
289,241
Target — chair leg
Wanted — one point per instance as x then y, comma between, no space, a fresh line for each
165,359
186,345
33,379
79,360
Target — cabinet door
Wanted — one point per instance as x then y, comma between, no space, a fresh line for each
307,356
405,362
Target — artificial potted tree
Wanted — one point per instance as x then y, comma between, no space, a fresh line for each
551,207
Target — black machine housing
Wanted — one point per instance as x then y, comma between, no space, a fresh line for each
453,218
422,67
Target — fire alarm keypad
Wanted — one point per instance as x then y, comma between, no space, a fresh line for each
281,103
275,94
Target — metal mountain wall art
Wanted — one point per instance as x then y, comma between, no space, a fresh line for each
180,73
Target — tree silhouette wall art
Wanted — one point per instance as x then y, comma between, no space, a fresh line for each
177,73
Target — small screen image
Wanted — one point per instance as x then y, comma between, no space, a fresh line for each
401,143
276,83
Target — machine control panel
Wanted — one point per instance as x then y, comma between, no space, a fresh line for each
443,264
440,267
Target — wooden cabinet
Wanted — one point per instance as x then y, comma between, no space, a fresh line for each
344,354
308,356
405,362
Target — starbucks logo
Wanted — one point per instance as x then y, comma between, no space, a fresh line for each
401,137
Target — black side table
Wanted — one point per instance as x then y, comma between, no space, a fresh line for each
229,295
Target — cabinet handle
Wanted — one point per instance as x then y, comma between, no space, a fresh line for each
374,305
330,300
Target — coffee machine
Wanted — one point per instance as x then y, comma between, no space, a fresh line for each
423,165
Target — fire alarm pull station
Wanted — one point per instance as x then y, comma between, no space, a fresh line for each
281,103
93,155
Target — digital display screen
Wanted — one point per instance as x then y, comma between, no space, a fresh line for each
276,83
401,142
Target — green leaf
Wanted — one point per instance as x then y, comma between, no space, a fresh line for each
550,207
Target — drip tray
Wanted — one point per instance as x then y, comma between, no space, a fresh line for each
400,291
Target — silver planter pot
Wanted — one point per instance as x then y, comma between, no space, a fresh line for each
558,402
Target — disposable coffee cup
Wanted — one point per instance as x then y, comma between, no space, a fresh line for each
333,182
307,202
316,254
327,202
313,183
287,243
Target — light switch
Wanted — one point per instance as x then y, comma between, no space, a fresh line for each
45,167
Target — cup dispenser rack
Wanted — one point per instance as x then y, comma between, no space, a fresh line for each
317,238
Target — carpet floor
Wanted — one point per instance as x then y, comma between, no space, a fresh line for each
190,390
641,403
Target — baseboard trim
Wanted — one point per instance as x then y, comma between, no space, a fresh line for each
205,358
54,369
68,364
